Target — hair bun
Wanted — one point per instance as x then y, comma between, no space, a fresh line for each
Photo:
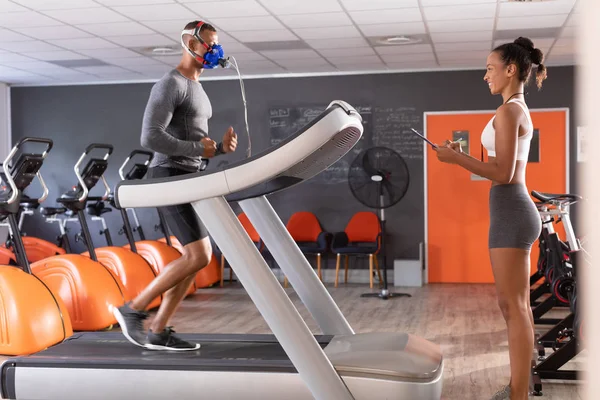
537,57
525,42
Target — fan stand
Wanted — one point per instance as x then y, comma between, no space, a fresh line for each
384,293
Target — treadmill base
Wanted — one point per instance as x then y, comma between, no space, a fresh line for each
104,365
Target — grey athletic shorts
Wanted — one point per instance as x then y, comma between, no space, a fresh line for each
181,219
514,219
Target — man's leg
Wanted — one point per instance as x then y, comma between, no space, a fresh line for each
196,256
160,336
174,279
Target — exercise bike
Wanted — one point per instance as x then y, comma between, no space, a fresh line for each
130,269
553,258
26,299
541,280
564,262
83,288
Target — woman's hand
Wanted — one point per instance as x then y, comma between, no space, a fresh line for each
456,146
448,152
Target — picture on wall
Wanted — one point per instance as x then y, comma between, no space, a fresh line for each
463,137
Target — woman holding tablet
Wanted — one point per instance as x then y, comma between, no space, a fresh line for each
515,223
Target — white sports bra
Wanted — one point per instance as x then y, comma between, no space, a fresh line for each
488,136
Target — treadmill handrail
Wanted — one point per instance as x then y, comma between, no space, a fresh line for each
245,174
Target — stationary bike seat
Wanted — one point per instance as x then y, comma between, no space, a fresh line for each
68,198
97,209
29,203
550,197
50,211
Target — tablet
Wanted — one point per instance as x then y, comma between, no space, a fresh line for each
433,145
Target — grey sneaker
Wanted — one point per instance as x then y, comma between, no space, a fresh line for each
132,323
166,340
503,394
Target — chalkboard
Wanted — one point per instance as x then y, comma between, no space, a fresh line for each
383,126
285,121
391,128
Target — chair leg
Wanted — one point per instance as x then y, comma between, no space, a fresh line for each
222,268
346,269
371,271
378,270
319,267
337,269
285,281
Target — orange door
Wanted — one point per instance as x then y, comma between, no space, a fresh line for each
457,201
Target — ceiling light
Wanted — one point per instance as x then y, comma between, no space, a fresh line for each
398,40
165,51
161,51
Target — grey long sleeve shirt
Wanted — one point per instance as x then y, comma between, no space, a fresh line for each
175,120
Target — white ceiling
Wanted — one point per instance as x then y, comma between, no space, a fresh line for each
71,41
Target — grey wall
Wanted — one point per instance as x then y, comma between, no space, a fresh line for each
4,131
75,116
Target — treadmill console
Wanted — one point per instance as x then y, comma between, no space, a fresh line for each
92,172
138,171
24,171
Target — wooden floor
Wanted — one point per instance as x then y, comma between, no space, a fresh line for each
463,319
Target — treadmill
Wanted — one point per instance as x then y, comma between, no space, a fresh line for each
292,363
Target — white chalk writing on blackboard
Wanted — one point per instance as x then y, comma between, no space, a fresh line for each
285,121
391,128
279,112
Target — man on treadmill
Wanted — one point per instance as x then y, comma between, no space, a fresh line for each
175,128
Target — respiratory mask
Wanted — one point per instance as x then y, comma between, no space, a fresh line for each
214,55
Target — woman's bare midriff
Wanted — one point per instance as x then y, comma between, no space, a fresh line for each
518,176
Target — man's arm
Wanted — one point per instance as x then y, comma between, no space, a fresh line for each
229,143
220,150
164,98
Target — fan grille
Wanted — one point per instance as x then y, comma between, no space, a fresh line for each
382,163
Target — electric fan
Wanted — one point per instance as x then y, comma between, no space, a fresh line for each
379,178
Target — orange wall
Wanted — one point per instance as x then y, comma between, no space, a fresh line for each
457,205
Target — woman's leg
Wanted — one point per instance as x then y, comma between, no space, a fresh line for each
530,312
511,273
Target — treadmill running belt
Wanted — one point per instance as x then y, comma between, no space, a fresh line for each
235,352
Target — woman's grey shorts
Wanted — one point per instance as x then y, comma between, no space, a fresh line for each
514,219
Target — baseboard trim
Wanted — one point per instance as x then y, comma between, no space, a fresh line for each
354,276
